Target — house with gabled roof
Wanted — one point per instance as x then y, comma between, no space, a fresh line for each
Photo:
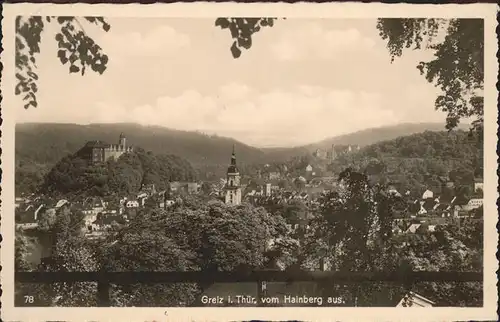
413,299
413,228
478,184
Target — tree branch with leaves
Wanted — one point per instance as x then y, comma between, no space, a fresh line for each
76,49
458,64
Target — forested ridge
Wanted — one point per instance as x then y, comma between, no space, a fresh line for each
420,161
417,160
47,143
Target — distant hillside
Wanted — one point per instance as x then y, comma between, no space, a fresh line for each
420,161
48,143
362,138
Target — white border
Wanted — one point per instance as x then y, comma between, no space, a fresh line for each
299,10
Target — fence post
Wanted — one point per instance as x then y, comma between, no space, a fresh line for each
103,288
259,293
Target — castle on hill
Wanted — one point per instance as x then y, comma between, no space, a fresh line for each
335,151
98,151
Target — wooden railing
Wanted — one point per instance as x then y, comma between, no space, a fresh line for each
105,279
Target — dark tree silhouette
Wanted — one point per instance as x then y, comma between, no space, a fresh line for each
76,49
458,64
242,30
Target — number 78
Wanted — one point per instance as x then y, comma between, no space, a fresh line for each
29,299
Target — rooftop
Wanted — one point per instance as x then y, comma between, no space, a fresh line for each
96,144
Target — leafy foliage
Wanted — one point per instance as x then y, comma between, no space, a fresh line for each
80,52
69,252
450,248
24,247
458,64
242,30
76,49
148,249
353,231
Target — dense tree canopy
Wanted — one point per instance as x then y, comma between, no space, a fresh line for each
193,235
353,232
69,251
420,161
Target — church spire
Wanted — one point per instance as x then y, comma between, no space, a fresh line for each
233,189
232,167
233,157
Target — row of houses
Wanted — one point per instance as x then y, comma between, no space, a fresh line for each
29,209
28,214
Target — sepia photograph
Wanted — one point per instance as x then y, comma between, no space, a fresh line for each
177,162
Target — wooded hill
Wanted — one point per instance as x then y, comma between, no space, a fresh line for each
421,161
75,177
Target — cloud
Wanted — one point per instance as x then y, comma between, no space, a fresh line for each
234,91
276,117
419,102
281,117
314,41
157,42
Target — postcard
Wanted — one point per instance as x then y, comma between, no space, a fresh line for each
227,162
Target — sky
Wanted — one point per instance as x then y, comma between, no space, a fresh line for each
302,80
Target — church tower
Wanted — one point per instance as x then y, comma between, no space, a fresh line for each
122,141
233,188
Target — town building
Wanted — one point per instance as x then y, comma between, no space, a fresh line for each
28,218
415,300
427,194
338,150
98,151
268,189
182,188
273,175
478,184
319,153
473,203
149,188
132,203
233,188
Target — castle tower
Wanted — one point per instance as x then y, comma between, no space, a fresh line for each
233,188
334,153
122,142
